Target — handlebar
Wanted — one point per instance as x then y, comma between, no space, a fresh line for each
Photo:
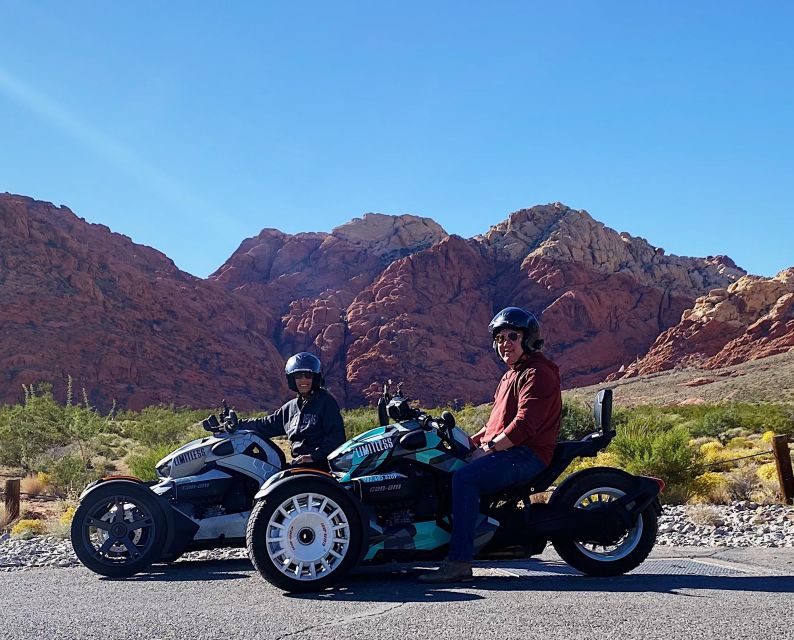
227,422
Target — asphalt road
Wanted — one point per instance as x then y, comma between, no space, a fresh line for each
677,593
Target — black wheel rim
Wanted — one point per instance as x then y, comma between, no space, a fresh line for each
118,530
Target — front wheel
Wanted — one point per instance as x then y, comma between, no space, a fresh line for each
629,551
305,535
118,529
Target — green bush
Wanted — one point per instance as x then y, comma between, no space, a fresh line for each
667,454
68,474
359,420
577,420
142,463
155,426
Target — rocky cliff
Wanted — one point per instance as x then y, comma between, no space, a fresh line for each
122,320
379,297
415,305
750,319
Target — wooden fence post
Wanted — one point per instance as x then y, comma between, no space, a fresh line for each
785,475
12,500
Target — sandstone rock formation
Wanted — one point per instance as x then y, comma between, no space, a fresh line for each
603,298
752,318
122,320
379,297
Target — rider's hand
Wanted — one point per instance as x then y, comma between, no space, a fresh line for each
304,459
479,452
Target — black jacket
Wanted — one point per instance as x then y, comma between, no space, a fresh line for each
313,426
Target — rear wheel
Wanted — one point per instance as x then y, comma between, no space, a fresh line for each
305,535
118,529
629,551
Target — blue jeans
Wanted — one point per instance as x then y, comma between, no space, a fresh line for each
483,476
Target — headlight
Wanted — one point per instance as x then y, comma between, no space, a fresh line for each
164,470
343,462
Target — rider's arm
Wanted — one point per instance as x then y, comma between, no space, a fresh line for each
268,426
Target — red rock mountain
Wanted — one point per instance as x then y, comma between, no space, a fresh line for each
752,318
415,305
381,296
121,319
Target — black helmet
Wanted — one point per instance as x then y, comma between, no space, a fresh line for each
516,318
304,361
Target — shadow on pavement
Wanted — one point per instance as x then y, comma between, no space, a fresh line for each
194,570
402,586
397,583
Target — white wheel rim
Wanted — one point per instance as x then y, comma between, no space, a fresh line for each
625,545
308,536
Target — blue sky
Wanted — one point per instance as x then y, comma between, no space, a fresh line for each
192,125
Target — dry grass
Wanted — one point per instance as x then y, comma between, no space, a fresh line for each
766,380
705,514
32,485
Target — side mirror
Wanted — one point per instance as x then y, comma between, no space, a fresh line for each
448,419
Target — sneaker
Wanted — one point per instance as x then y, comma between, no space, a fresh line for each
449,571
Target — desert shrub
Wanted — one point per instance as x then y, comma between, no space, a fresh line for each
142,463
31,484
28,430
713,451
26,529
767,472
577,420
742,482
58,529
710,487
705,514
767,437
739,442
156,426
601,459
67,516
716,422
666,454
471,418
68,474
359,420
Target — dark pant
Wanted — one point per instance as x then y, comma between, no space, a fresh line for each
484,476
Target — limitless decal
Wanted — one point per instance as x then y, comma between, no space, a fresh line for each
194,454
373,447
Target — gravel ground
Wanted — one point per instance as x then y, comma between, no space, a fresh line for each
741,524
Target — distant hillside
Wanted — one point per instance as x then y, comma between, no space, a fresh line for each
769,379
379,297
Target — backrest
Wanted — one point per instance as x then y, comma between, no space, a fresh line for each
602,410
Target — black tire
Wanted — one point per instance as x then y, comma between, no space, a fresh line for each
115,547
630,551
309,562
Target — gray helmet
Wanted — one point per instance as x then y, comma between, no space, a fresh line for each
304,361
517,318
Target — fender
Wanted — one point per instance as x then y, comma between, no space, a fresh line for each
588,472
278,478
96,483
651,487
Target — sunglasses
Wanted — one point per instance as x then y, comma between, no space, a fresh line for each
303,374
503,337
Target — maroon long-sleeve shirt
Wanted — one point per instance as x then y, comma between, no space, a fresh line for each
527,406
